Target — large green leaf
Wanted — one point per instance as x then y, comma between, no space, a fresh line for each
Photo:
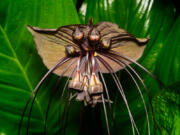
21,68
167,101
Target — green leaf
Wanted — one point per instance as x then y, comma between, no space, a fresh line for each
167,102
3,11
169,58
166,106
21,68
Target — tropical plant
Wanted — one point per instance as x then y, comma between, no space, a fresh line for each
21,67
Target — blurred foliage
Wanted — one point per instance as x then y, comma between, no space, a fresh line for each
21,68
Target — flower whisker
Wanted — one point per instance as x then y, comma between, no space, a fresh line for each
119,61
115,78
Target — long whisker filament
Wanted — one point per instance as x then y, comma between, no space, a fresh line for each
121,62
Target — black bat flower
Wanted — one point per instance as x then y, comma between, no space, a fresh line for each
84,53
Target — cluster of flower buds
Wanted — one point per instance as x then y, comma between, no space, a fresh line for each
88,87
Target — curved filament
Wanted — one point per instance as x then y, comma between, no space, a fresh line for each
61,98
29,116
67,114
49,103
105,113
62,61
108,67
145,108
140,79
133,61
120,62
108,97
54,92
80,63
106,90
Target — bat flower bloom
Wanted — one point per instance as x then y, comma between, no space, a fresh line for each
83,53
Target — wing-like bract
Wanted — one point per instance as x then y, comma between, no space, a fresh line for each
122,42
51,43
